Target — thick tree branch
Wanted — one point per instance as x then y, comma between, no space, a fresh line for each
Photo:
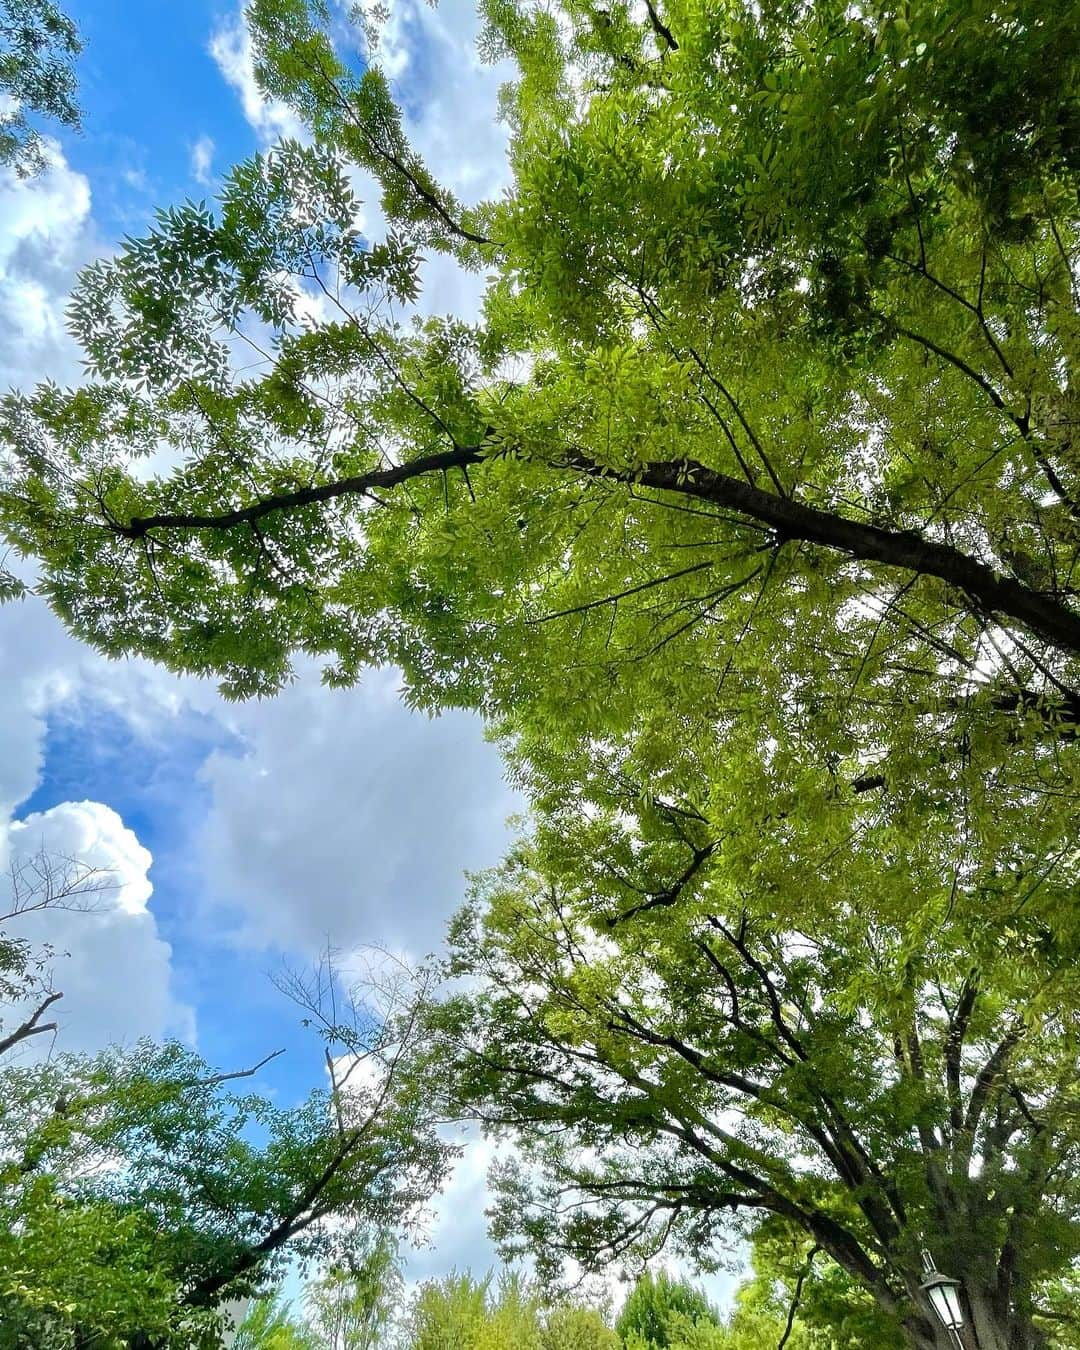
988,592
671,893
991,1073
660,28
358,485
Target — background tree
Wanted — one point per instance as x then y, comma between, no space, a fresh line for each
798,1300
38,48
269,1325
138,1190
461,1313
662,1312
354,1307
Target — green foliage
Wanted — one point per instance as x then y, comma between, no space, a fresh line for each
829,1310
661,1312
748,512
765,430
38,47
882,1076
137,1191
354,1308
267,1325
460,1313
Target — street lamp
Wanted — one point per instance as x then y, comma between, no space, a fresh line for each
943,1295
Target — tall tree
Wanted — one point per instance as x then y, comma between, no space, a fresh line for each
680,1063
770,415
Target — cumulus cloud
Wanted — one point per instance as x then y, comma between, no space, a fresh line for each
350,819
202,157
46,235
457,1236
116,977
112,964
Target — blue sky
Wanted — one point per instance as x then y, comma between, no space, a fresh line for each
150,88
152,781
241,836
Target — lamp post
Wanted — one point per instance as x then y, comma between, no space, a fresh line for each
943,1295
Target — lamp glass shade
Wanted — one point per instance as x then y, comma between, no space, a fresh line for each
944,1296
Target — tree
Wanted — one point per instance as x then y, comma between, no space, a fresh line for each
353,1308
38,48
267,1325
138,1190
750,505
876,1075
768,418
662,1312
460,1313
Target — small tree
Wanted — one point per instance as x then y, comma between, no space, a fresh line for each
139,1189
268,1325
354,1307
661,1311
461,1313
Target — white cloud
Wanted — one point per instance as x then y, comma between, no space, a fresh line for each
230,47
458,1233
351,819
202,157
116,979
46,234
449,99
39,664
112,965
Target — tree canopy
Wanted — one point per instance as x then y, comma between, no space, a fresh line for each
748,511
768,415
875,1077
140,1189
661,1312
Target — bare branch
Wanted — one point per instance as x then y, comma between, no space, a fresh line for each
32,1026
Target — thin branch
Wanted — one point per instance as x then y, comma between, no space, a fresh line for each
33,1026
797,1296
621,595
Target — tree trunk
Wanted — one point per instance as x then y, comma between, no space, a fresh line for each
985,1328
992,1332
